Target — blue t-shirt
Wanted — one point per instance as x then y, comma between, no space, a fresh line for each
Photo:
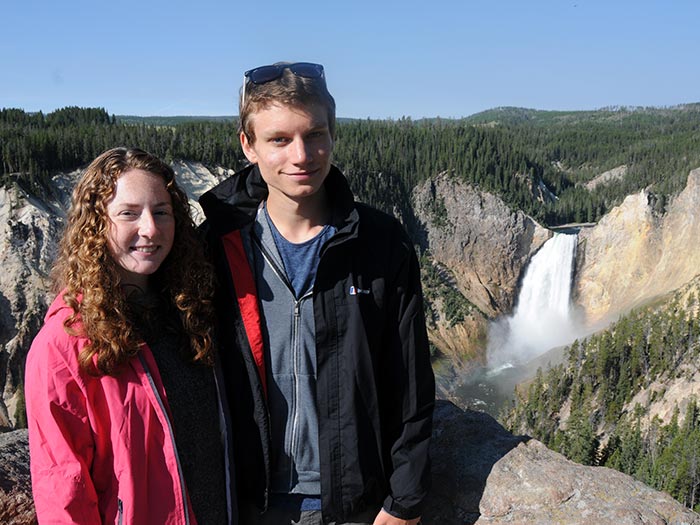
300,260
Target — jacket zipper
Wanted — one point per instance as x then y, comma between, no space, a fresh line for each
296,351
183,489
281,275
295,399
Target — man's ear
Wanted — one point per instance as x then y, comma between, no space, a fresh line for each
248,149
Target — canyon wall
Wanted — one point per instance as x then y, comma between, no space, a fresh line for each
482,241
634,254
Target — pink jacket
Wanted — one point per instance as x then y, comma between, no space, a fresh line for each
101,448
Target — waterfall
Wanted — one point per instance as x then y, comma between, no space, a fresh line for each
542,318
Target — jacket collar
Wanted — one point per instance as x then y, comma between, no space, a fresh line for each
233,203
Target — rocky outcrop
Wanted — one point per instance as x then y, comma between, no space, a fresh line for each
607,177
483,242
195,179
533,484
29,227
633,254
481,475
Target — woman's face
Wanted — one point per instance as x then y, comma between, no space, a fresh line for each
141,225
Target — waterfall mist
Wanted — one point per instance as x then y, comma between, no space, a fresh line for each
542,318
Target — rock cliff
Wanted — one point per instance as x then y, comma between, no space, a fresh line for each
482,475
633,254
479,247
29,227
484,243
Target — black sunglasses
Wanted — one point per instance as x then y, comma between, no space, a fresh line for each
264,74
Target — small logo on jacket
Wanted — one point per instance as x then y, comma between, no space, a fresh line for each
358,291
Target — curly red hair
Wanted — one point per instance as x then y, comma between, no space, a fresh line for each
89,276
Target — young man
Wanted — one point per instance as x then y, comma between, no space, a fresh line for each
323,338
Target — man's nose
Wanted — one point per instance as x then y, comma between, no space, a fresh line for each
302,151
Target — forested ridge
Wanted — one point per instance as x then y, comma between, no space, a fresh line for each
584,408
660,147
511,152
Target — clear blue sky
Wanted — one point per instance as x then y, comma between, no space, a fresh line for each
383,59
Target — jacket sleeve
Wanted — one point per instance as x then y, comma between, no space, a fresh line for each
61,446
415,396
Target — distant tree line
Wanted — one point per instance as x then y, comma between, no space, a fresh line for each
600,378
509,153
37,145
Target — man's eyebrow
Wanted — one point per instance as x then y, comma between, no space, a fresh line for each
319,124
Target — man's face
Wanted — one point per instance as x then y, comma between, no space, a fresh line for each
292,149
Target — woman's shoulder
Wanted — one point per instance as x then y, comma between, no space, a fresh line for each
53,345
52,369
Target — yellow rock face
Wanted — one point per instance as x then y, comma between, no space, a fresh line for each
633,255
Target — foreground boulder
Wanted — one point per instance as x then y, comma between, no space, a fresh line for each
482,475
533,484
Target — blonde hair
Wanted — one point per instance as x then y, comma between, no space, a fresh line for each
287,90
89,276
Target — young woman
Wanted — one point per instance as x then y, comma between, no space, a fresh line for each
126,424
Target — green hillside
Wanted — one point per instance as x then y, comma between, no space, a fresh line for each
522,155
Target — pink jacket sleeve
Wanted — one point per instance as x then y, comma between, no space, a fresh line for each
61,444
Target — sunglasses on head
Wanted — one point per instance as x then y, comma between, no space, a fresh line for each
265,74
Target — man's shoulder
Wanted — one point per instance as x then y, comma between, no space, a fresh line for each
377,223
377,216
382,234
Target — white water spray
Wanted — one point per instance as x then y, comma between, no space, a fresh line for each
542,318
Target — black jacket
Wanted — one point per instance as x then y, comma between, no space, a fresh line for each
375,386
